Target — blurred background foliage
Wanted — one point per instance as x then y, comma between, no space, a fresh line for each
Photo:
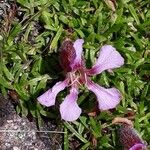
30,36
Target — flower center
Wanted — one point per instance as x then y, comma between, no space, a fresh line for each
77,77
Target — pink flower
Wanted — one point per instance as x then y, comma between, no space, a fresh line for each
130,139
76,74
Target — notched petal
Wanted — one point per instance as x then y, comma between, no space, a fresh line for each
49,97
108,59
78,46
107,98
69,109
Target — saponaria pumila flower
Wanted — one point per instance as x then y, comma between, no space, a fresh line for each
77,74
129,138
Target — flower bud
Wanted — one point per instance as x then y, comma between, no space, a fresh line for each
130,139
67,55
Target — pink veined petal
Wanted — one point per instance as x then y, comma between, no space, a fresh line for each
107,98
138,146
49,97
69,109
108,59
78,48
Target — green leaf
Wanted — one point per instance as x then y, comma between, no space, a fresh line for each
95,127
7,73
54,42
5,83
13,33
85,146
37,79
23,94
24,110
81,34
66,139
134,14
137,40
64,19
79,136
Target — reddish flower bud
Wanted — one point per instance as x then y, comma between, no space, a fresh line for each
130,139
67,55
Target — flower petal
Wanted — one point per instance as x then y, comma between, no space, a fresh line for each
69,109
48,98
108,58
138,146
107,98
78,48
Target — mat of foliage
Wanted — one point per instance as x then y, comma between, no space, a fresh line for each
30,36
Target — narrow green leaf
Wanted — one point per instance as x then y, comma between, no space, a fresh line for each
14,32
5,83
24,109
66,140
80,33
137,40
134,14
40,121
3,91
7,73
86,146
56,38
24,3
64,19
22,92
95,127
41,84
79,136
35,80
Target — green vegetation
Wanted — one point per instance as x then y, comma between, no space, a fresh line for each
30,37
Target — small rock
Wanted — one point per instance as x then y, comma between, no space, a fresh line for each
9,121
16,148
